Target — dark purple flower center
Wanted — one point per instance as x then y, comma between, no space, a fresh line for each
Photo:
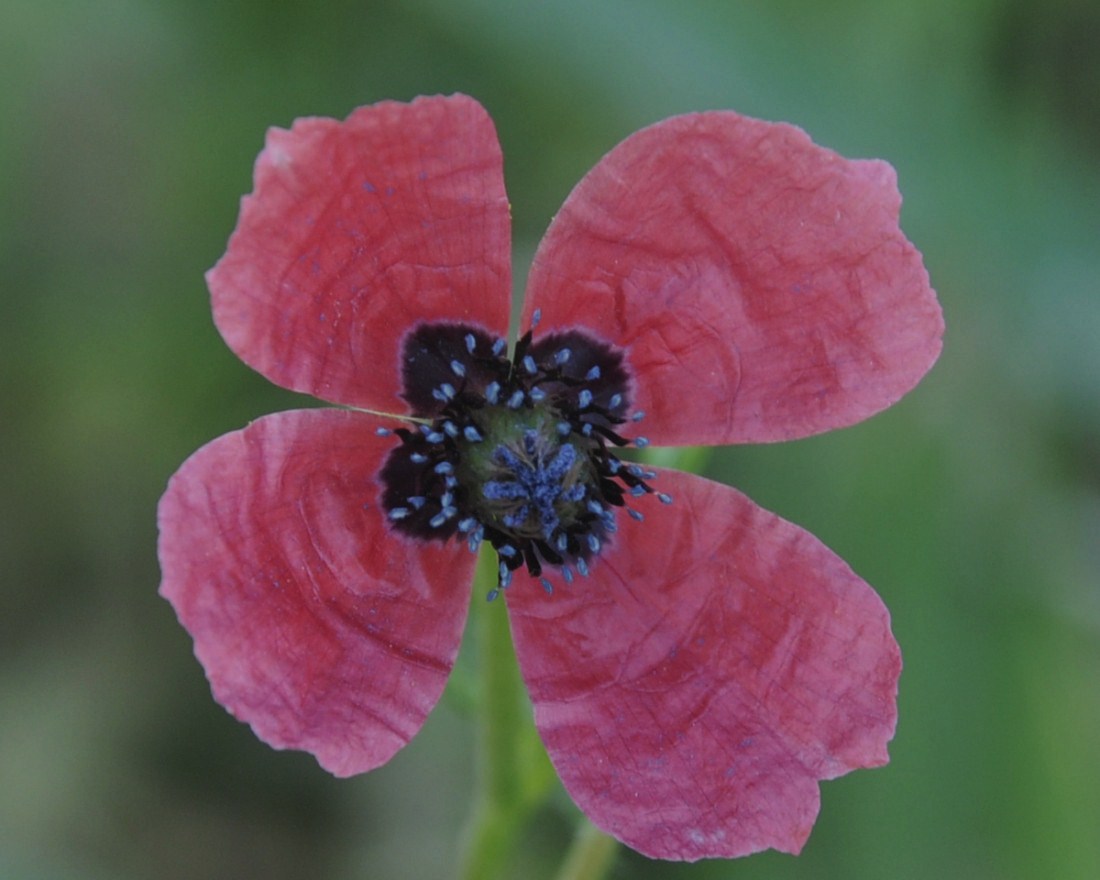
518,452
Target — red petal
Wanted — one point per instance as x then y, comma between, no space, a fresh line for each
693,689
760,283
357,230
316,624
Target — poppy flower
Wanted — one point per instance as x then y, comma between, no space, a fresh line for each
696,664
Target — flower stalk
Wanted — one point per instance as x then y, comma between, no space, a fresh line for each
513,777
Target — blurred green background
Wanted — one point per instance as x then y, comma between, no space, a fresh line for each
127,134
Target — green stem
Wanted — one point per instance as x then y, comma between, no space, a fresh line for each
590,856
499,810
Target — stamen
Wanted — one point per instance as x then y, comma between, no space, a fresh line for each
535,318
472,434
615,401
498,347
546,585
562,355
635,514
529,365
383,432
399,513
436,521
584,399
593,374
638,416
664,497
456,367
492,392
641,442
516,400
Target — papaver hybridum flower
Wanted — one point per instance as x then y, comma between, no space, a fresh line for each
696,663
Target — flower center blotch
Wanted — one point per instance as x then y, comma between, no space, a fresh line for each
517,452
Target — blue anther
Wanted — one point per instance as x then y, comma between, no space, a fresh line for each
472,434
505,576
593,374
586,429
635,514
475,538
506,550
471,343
546,585
564,428
638,416
516,400
637,491
635,470
416,501
567,574
448,390
458,369
449,481
615,402
562,355
537,394
535,318
492,392
399,513
582,567
498,347
595,507
444,467
664,497
529,365
562,542
439,395
436,521
641,442
613,466
467,524
584,399
446,499
417,457
383,432
491,595
450,428
593,543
